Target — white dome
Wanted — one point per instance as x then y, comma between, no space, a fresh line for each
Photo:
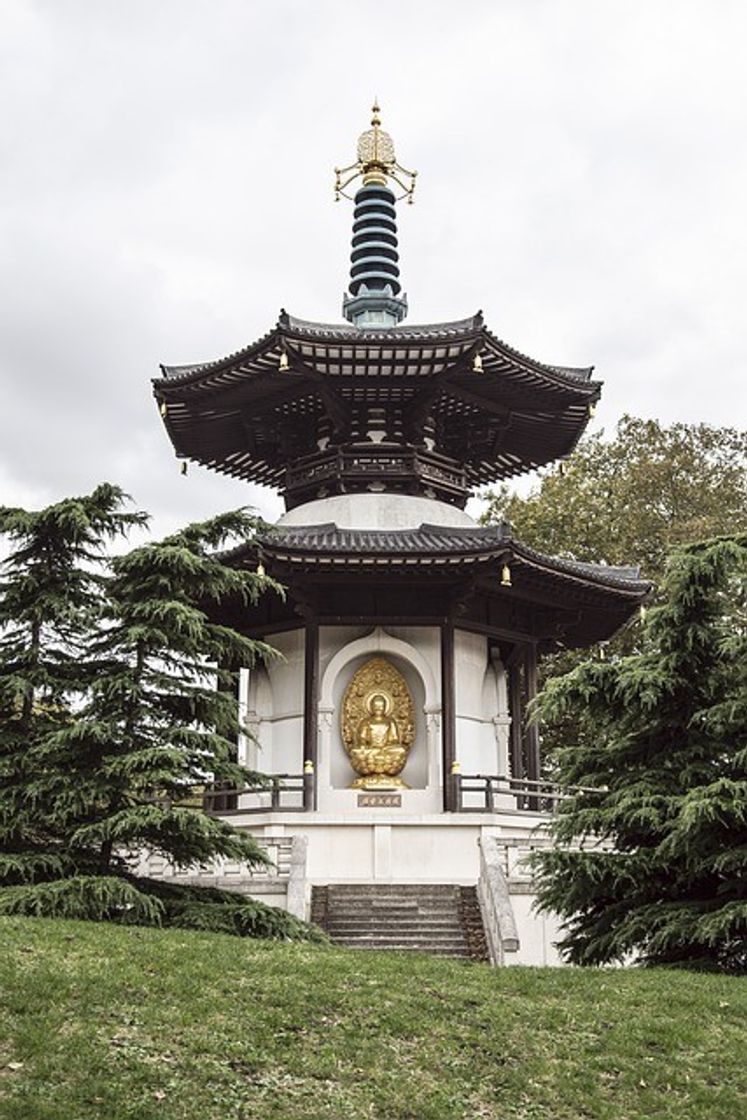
377,511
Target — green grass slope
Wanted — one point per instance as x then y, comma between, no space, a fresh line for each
111,1022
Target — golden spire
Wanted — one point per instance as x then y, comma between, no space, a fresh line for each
376,162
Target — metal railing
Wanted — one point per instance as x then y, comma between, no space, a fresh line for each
390,463
282,793
489,793
474,793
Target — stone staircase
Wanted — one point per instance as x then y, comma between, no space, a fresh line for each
425,918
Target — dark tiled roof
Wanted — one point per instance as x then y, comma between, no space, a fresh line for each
419,331
478,543
257,412
426,539
577,373
177,374
622,577
290,326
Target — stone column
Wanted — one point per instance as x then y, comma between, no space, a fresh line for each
531,731
502,717
516,708
448,715
249,719
310,701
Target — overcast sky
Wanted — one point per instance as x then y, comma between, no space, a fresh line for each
166,189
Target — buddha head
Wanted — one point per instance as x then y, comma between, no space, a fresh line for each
377,706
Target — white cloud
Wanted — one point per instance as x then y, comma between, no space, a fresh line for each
167,187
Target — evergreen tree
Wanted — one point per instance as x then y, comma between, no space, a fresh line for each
660,873
153,721
50,598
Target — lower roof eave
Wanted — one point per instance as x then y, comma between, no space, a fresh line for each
571,603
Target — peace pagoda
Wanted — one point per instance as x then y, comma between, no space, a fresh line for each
406,782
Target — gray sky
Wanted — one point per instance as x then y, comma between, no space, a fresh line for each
166,188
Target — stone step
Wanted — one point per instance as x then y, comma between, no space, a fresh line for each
372,915
405,898
388,918
348,926
406,941
426,944
456,954
380,908
399,895
393,890
363,922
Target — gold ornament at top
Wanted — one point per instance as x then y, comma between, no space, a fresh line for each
375,146
376,162
378,726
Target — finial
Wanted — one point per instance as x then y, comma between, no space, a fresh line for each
376,162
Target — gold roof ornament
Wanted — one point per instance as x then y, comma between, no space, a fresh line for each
376,162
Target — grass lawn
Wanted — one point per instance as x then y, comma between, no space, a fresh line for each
108,1022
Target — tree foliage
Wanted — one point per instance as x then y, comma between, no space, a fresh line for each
116,708
665,753
628,499
632,498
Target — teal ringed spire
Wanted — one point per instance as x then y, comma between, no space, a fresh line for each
374,298
374,287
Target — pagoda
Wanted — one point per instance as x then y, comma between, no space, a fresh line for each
394,722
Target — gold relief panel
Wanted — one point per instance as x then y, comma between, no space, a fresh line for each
378,725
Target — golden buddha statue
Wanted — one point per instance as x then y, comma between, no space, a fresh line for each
377,725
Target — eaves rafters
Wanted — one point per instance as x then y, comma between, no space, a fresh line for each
504,418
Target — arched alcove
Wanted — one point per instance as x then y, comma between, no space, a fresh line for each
378,641
334,768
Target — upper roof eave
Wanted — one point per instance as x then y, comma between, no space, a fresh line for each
459,328
290,327
186,374
569,375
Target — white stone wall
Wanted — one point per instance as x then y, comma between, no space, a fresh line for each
370,846
481,716
272,703
537,932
